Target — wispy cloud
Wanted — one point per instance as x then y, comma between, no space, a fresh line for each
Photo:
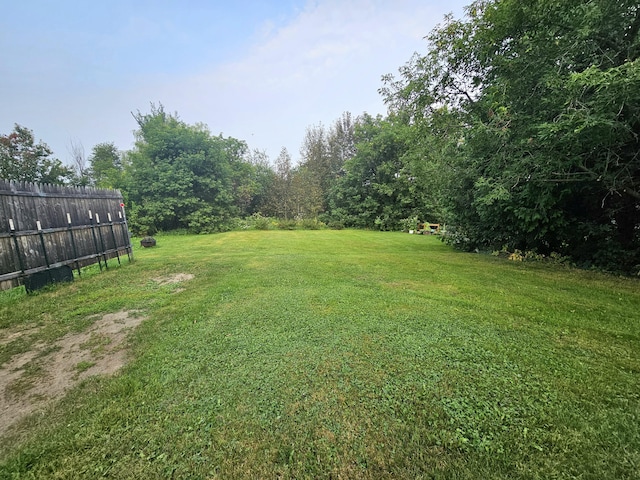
279,74
329,59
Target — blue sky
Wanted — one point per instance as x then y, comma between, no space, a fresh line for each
259,71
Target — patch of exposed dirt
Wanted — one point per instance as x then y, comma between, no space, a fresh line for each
18,332
34,379
175,278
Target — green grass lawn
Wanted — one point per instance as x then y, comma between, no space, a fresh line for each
343,355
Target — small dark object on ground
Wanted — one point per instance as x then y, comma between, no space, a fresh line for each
42,279
148,242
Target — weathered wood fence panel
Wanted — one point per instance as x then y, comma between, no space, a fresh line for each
43,227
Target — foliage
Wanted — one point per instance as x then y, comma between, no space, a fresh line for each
280,197
293,192
352,354
259,180
335,225
306,193
409,224
324,153
378,187
23,160
531,256
311,224
106,166
287,224
180,176
258,222
545,95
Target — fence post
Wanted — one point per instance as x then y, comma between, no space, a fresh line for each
73,244
44,250
95,240
125,233
113,237
104,250
12,227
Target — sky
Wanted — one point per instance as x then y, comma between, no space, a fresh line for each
75,72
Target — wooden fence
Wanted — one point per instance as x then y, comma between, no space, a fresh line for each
49,227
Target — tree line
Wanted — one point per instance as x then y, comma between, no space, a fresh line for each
519,129
180,176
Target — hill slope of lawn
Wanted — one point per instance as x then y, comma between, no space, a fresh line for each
324,354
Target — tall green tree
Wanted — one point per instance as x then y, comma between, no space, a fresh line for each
378,188
261,181
341,142
316,161
22,159
323,155
106,168
180,176
280,202
306,193
546,94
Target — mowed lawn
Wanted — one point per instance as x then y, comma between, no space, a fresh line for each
342,355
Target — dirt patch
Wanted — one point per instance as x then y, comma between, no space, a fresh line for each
34,379
176,278
18,332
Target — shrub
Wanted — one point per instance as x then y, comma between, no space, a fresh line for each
207,220
259,222
408,224
311,224
286,224
530,256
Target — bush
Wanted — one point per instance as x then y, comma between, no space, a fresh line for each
311,224
338,219
531,256
206,220
286,224
409,224
140,225
258,222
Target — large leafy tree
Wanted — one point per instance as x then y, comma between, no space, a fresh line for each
180,176
341,142
106,166
377,187
323,154
316,162
280,201
260,180
22,159
306,193
546,96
